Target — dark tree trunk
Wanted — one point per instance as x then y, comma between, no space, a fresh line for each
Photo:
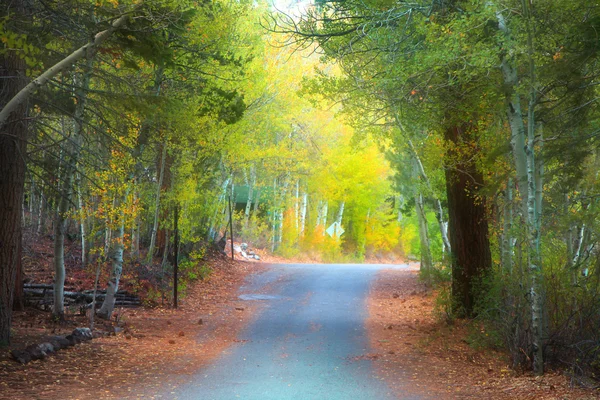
468,227
13,136
19,295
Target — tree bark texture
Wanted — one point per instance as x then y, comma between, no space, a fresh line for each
468,225
13,137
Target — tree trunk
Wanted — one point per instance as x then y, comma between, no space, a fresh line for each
135,229
72,150
117,268
41,224
340,213
468,226
82,220
13,138
303,208
157,204
529,174
426,258
297,207
439,211
19,297
251,184
324,212
212,230
507,241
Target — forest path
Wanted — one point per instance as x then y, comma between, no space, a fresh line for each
309,342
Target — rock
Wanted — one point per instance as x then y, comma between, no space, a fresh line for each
47,348
128,337
73,339
171,341
36,352
21,356
395,295
240,308
98,334
84,334
181,333
200,321
60,342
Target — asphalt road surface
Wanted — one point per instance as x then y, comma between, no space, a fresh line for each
308,343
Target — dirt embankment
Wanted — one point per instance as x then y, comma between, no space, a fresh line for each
419,353
159,347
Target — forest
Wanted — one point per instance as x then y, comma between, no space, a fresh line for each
459,133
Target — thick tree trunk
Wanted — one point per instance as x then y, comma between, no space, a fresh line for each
19,297
13,137
468,225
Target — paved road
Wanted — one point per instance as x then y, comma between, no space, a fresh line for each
306,344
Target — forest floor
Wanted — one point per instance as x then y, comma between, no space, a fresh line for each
441,360
158,345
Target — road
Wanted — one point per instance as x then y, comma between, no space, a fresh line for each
309,341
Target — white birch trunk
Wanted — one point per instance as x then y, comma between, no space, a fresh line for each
297,207
507,251
41,224
82,218
319,213
340,213
251,184
530,178
116,256
212,231
303,208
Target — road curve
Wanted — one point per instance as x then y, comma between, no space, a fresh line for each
309,342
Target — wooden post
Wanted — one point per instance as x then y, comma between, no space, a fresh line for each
176,261
231,227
